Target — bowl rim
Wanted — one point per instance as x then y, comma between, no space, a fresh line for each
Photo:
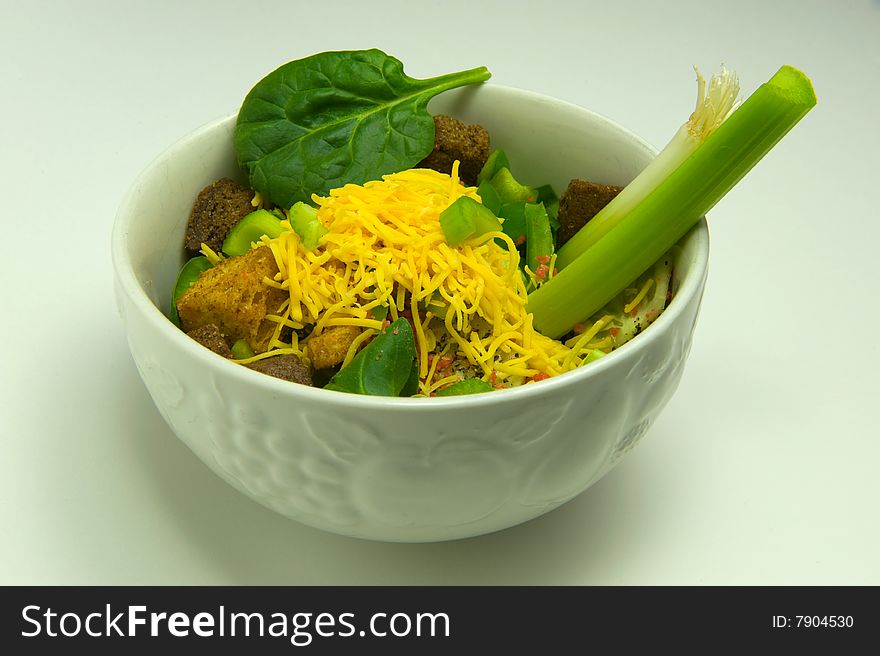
127,283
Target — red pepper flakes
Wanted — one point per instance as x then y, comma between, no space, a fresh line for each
540,376
444,363
385,324
543,259
541,272
555,271
520,240
614,331
493,378
578,328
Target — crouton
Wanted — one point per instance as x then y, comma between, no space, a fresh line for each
211,338
233,296
218,207
453,140
580,202
329,348
286,367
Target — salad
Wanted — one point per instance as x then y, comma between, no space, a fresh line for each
377,249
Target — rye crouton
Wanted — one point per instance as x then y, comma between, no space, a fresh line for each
580,202
211,338
329,348
233,296
217,208
453,140
285,367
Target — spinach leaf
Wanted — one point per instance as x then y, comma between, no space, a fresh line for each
467,386
384,367
411,387
317,123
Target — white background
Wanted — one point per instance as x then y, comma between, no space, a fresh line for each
761,470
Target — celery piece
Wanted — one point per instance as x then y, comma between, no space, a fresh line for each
509,190
539,239
186,278
456,224
674,205
241,350
249,230
304,221
514,215
496,160
467,218
489,197
547,195
594,355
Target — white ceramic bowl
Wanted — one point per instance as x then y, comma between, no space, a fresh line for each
403,469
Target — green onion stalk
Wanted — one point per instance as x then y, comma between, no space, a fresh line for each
718,145
714,104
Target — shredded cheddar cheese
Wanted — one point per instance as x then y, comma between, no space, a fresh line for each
384,248
213,258
633,304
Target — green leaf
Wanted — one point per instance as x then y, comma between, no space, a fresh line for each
384,367
466,386
411,387
333,118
